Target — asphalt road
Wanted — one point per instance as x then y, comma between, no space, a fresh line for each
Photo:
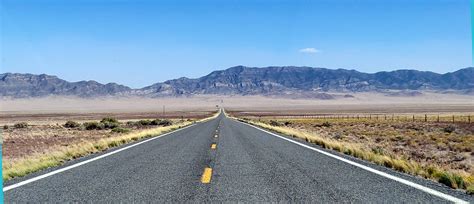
247,165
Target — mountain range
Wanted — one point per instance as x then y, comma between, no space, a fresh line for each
288,81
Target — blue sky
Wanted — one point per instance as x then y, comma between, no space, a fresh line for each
138,43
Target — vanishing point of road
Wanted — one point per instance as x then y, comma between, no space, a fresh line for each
224,160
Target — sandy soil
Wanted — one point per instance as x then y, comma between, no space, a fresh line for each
362,102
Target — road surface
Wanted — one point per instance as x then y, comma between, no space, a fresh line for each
221,160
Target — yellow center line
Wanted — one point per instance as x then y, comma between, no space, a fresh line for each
206,175
213,146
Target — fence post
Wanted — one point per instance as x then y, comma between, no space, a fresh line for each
413,118
438,118
453,118
469,119
426,118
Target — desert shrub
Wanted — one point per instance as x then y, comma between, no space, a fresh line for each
155,122
120,130
21,125
287,123
109,125
449,129
109,120
131,123
165,123
5,127
71,124
274,123
92,125
144,122
161,122
326,124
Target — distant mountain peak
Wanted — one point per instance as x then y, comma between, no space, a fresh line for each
29,85
291,81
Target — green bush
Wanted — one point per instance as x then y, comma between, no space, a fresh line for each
459,181
150,122
120,130
144,122
21,125
71,124
109,120
109,125
445,179
92,126
451,180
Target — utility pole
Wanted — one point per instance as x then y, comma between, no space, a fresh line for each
163,110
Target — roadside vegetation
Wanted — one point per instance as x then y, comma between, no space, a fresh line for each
439,151
30,148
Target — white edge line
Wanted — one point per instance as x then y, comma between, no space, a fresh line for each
386,175
7,188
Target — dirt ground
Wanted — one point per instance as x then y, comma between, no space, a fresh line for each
361,102
46,132
8,118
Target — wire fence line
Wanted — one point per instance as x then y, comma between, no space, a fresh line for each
382,117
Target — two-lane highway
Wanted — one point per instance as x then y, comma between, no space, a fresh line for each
220,160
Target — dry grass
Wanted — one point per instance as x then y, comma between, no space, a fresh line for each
35,162
455,178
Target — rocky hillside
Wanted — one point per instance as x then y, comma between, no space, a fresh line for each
29,85
309,81
270,81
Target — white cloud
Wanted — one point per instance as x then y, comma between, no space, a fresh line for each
309,50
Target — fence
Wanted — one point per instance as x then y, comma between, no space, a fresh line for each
384,117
